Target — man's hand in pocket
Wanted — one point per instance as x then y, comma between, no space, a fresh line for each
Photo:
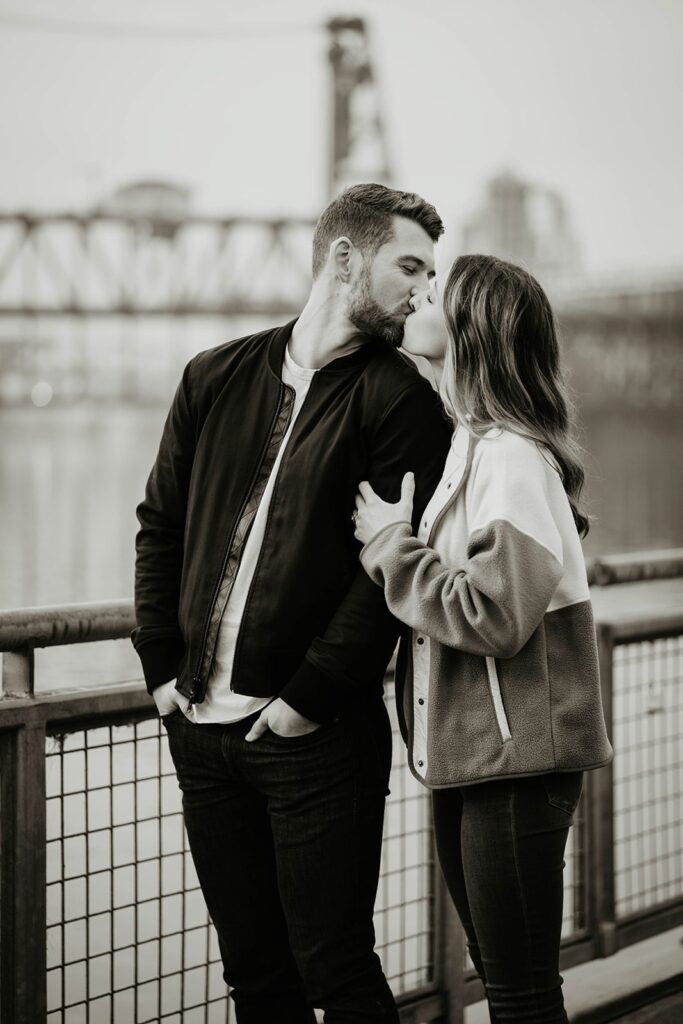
282,720
165,698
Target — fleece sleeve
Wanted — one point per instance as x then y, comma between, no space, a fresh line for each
491,603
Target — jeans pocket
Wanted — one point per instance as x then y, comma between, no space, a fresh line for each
177,710
301,740
563,790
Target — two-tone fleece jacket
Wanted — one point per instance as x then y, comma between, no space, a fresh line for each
498,674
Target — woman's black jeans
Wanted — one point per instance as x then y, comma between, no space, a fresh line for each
501,847
286,837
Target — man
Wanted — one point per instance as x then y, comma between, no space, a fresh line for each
262,639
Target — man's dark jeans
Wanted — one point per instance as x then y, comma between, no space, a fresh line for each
501,848
286,837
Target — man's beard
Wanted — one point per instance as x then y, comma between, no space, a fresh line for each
368,316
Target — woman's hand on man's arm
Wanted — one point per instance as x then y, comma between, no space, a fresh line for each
373,514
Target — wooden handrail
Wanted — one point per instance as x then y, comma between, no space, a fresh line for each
60,625
635,567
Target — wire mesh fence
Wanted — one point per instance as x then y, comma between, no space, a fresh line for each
404,910
648,773
128,935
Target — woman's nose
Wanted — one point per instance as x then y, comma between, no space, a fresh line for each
417,298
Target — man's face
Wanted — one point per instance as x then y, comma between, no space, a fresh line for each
380,300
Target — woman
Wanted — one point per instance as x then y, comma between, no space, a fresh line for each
497,680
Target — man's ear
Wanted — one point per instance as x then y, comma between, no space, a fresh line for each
341,258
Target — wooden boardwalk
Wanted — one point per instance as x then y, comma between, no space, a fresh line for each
664,1011
642,984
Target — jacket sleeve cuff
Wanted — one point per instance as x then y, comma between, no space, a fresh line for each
314,694
381,549
160,657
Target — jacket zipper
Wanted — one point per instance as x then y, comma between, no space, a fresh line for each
260,557
197,678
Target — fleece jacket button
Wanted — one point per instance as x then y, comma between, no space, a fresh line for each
420,764
420,701
420,639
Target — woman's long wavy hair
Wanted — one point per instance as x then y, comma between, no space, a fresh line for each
502,367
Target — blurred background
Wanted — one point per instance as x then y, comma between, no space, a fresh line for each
162,167
163,164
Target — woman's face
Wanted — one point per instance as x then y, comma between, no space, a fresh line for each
425,331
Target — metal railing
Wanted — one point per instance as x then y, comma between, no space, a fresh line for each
101,917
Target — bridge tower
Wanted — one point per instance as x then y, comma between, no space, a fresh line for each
358,145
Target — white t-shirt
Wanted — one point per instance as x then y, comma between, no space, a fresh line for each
221,704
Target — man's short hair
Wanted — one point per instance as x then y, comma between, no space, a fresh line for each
363,213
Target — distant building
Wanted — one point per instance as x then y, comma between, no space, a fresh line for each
525,224
162,204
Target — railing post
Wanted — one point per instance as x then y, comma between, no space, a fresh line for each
18,672
23,916
449,952
601,845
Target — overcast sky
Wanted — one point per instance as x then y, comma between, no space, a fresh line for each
582,96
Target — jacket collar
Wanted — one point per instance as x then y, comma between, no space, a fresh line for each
462,445
461,442
277,346
344,364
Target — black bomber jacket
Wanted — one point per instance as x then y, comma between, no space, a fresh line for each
315,630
